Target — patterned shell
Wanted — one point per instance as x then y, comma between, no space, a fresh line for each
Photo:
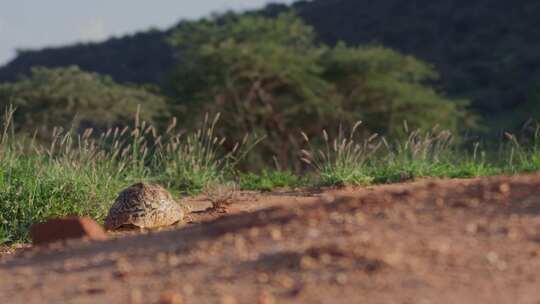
145,206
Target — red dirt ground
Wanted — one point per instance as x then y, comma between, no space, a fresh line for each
446,241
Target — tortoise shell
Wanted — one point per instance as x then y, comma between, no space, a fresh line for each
145,206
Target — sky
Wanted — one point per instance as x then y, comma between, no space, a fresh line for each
34,24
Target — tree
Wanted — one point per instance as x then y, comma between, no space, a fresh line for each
68,97
271,77
385,88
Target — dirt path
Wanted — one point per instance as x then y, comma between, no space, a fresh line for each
458,241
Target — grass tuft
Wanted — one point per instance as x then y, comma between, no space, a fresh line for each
343,160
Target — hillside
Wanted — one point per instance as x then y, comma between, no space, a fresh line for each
139,58
485,50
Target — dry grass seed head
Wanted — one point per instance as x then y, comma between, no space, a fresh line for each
221,195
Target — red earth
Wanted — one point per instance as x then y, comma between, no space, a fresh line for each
430,241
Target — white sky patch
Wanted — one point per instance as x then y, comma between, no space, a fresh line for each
4,52
94,30
31,24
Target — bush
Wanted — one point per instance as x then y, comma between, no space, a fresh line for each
270,77
73,99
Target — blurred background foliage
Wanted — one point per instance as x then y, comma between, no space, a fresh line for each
486,51
71,98
269,76
275,73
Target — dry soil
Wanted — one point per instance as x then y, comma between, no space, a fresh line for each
431,241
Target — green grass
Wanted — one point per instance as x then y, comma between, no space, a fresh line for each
82,174
343,160
34,189
348,160
269,180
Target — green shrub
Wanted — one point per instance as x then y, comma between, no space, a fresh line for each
74,99
270,76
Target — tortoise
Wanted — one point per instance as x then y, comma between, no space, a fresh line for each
143,205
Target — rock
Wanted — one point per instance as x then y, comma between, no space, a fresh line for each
60,229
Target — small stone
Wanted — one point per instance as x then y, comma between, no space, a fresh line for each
263,278
135,296
471,228
123,268
285,281
266,298
325,258
275,234
394,258
328,198
365,237
188,289
492,257
227,299
360,217
254,232
313,233
307,262
170,297
173,260
61,229
504,188
440,202
341,278
410,216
